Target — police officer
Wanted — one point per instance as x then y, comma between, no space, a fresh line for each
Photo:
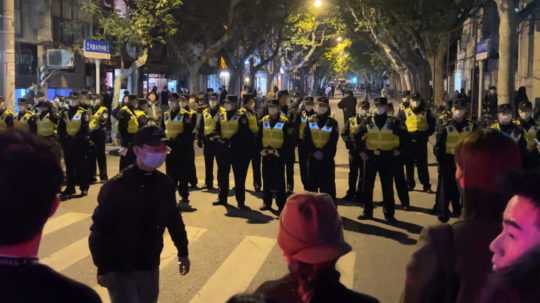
380,136
305,115
74,135
128,126
6,116
509,128
47,126
291,114
448,137
399,167
253,121
207,136
356,164
530,128
274,142
179,124
420,124
98,135
320,139
25,119
233,130
190,106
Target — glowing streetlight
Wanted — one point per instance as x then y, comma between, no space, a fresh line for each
339,39
317,3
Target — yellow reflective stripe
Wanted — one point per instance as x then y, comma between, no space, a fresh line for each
45,127
173,128
73,125
273,137
415,122
454,137
320,136
381,139
229,128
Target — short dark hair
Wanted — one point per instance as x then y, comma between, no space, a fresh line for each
525,184
30,179
245,298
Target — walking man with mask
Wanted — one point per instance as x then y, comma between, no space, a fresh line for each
134,208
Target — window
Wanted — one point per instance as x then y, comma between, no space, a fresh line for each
18,18
66,25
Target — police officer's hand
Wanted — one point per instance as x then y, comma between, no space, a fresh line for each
364,156
123,151
184,265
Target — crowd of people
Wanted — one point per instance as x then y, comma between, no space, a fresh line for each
488,255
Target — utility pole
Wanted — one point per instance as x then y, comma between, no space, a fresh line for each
7,48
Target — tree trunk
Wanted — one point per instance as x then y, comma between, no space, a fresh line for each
439,67
507,33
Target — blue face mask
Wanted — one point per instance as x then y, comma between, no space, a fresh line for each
153,160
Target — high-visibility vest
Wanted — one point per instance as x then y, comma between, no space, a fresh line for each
320,136
3,118
73,125
273,137
514,135
21,122
229,127
530,135
382,139
210,121
95,119
354,126
45,127
173,127
303,124
252,121
415,122
454,137
133,123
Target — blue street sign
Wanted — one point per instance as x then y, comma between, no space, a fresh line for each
482,49
97,49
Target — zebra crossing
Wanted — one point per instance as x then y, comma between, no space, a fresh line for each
233,275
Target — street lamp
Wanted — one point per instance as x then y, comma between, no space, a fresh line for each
339,39
317,3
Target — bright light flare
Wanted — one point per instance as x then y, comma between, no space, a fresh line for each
317,3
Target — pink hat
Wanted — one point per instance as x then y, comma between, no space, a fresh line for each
311,230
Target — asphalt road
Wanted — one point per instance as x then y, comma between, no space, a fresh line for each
235,251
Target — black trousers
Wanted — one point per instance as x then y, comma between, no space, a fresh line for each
418,157
193,179
273,170
256,167
322,176
78,166
447,188
289,170
210,150
239,164
355,164
303,162
128,159
133,287
384,165
401,182
99,138
177,168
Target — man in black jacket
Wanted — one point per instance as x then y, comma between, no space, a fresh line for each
134,208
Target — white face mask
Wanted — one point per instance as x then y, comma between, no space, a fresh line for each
309,108
214,104
322,110
173,105
229,107
505,118
73,103
381,110
525,115
153,160
414,104
272,111
458,114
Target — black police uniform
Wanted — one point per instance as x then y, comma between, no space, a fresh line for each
304,118
74,135
321,135
207,137
356,164
292,117
98,135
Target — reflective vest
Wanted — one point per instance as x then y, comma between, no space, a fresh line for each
210,121
273,137
73,125
133,123
95,120
454,137
3,118
229,127
530,136
303,124
382,139
415,122
354,126
252,121
45,127
21,122
320,136
173,127
516,136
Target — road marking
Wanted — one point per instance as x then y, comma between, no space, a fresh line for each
345,266
68,256
57,223
168,255
237,271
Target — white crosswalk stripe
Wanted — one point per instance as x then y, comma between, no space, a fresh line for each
58,222
237,271
345,266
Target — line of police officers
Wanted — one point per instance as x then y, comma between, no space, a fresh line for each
235,134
